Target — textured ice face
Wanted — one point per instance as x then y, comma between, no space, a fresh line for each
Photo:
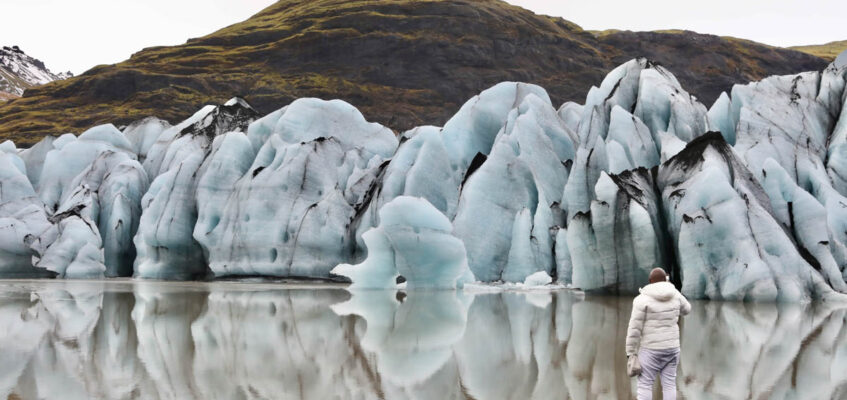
665,107
230,158
72,156
517,192
77,250
635,144
22,218
785,111
107,196
614,246
729,245
592,195
836,161
144,133
164,242
34,157
292,211
165,239
649,92
89,185
473,129
413,240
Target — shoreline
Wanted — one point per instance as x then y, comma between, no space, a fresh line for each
250,284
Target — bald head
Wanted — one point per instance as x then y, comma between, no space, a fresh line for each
658,275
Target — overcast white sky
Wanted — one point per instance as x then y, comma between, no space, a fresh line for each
79,34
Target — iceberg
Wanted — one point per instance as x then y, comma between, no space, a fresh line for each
729,245
164,241
539,278
473,129
292,213
70,156
34,158
76,252
621,238
517,192
22,219
108,195
165,236
413,240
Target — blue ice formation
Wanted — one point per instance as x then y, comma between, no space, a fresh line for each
743,200
413,240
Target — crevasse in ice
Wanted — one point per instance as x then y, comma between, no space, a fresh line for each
593,195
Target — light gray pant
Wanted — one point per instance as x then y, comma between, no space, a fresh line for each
653,363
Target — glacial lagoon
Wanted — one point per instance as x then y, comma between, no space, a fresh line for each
125,339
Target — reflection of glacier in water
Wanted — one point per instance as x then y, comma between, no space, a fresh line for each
229,341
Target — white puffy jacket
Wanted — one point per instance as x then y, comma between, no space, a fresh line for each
655,317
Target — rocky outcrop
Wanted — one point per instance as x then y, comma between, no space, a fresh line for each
19,72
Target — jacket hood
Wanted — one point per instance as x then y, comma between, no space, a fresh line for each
661,291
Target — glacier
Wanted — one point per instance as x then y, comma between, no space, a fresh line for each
743,200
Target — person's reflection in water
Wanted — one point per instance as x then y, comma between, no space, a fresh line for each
654,329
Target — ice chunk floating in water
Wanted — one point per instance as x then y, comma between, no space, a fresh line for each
511,189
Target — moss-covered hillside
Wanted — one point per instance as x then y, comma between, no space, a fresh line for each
826,51
402,62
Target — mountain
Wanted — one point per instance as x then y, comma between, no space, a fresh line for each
19,72
826,51
403,63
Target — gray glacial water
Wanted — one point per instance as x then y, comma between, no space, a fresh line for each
228,340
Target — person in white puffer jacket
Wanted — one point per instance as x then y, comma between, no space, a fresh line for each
654,333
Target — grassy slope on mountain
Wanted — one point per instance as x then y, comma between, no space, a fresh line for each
401,62
826,51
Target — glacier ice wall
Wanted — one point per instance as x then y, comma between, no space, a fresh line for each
292,211
593,195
